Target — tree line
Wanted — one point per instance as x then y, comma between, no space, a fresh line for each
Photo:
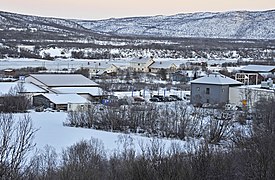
171,120
250,155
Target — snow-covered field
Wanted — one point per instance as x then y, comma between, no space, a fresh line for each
51,132
59,64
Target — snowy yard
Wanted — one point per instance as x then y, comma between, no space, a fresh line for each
52,132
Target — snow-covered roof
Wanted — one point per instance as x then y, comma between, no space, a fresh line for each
5,88
258,68
100,65
94,91
216,79
140,60
64,80
65,98
162,64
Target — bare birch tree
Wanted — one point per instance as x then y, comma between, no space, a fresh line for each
16,140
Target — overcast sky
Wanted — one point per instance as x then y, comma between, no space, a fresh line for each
102,9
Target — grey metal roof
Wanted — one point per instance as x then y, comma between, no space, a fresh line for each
64,80
216,79
258,68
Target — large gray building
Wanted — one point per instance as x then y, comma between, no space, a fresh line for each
212,89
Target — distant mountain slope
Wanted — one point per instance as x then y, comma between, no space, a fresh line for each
237,24
11,20
231,25
24,27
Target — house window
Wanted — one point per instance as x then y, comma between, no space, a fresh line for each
207,100
198,88
207,91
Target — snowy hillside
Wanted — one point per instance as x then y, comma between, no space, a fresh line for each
249,34
18,22
236,25
239,24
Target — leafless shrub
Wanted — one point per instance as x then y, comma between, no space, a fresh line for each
16,140
15,100
83,160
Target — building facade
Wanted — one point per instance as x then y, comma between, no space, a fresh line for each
212,89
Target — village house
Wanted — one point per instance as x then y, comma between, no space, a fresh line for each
187,75
141,64
212,89
168,66
9,73
100,68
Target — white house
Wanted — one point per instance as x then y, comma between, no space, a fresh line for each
99,68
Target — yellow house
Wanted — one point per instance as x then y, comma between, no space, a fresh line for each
141,64
167,65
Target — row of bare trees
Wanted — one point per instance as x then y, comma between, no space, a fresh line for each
88,160
171,120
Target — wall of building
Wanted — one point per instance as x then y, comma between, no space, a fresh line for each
77,106
218,94
235,96
248,95
40,100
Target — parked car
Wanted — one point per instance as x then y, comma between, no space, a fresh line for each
139,99
206,105
168,99
160,97
154,99
176,97
187,97
231,107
